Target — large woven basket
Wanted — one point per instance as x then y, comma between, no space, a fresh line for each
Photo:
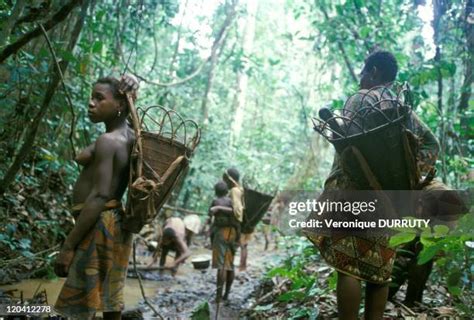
378,134
160,156
256,205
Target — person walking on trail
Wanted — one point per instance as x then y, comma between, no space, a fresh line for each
349,254
95,254
172,239
231,177
225,231
270,223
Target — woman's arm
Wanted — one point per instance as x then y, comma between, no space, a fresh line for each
428,147
215,209
94,204
184,252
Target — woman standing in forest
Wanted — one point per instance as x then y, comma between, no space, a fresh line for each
225,232
95,254
369,258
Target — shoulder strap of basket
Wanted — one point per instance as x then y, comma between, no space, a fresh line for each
137,149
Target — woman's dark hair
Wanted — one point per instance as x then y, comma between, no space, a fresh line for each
169,233
234,174
385,62
114,85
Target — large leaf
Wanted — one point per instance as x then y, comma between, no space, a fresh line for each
401,238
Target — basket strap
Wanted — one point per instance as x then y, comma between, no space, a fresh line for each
136,127
364,166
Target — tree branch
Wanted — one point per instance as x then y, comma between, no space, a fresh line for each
175,83
7,25
66,91
35,123
178,40
53,21
139,277
220,37
215,46
341,48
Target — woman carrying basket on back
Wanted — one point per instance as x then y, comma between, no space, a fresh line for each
95,254
369,259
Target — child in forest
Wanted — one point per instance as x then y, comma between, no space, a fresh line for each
225,231
95,254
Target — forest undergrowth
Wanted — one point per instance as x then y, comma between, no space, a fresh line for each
38,218
304,287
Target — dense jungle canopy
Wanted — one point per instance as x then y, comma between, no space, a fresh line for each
252,74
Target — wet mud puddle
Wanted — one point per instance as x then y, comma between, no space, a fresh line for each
174,297
28,288
177,297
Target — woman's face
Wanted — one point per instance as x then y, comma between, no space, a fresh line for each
102,105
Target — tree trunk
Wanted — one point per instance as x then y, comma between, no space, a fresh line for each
52,22
307,167
34,125
466,89
242,77
205,99
178,42
438,11
218,41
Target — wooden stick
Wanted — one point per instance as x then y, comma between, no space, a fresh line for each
141,285
404,307
217,310
6,263
184,210
136,128
66,91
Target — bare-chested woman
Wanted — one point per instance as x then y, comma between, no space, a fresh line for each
94,256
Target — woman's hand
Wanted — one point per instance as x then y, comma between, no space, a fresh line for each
63,262
129,84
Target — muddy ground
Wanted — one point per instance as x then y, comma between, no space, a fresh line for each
177,297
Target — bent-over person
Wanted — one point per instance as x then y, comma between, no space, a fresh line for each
173,239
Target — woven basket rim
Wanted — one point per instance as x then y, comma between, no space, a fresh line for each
166,139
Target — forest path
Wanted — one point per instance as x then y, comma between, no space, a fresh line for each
177,297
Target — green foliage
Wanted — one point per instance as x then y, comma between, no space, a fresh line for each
303,283
401,237
310,313
298,283
453,257
202,312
